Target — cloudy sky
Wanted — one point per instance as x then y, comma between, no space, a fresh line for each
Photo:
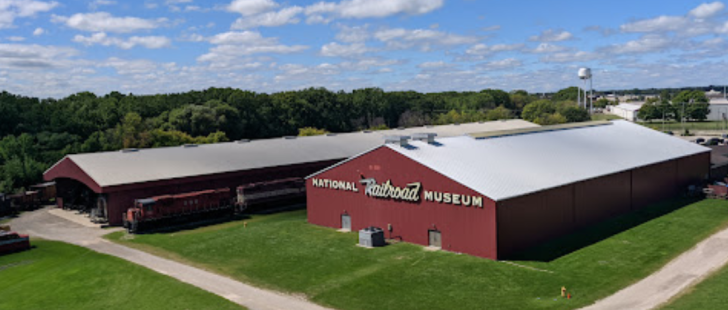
56,48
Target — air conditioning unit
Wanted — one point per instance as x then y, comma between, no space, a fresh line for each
371,237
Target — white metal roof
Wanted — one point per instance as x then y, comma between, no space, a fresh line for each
118,168
512,166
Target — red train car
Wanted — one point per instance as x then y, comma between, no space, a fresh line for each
28,200
166,209
13,242
276,192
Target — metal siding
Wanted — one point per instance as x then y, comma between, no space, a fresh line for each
654,183
601,198
464,229
528,220
692,169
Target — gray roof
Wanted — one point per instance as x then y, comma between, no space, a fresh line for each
119,168
511,166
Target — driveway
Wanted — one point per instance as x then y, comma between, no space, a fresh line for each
54,224
681,273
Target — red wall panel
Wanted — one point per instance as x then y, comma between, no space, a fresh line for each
528,220
654,183
469,230
601,198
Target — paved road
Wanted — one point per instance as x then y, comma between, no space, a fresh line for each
47,225
683,272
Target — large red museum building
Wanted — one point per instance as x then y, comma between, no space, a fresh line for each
494,194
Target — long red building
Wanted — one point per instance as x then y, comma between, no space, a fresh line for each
110,182
494,194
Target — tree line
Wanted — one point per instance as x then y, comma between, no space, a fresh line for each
35,133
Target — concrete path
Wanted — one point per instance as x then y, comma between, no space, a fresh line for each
681,273
47,224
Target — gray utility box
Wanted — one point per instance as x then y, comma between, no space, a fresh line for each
371,237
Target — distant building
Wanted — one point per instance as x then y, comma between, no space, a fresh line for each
713,94
626,111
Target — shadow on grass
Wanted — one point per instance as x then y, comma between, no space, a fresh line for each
584,237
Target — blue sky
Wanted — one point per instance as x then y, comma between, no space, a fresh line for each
56,48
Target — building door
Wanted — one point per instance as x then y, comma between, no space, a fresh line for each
435,239
345,222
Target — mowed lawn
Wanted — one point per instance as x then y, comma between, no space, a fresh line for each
709,294
282,251
57,275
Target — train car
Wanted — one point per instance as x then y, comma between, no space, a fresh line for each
170,209
13,242
5,205
278,192
28,200
46,192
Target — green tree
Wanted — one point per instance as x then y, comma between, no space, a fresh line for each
499,113
538,109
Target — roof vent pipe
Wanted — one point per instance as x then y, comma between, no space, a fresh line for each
289,137
243,140
129,150
401,140
428,137
189,145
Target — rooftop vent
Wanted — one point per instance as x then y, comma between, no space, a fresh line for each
456,124
330,134
189,145
289,137
366,131
129,150
429,126
243,141
428,137
401,140
400,128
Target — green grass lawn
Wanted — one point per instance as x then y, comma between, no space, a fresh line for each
709,294
57,275
282,251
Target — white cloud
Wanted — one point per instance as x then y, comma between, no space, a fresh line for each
425,39
97,3
100,38
482,49
105,22
580,56
434,65
551,35
12,9
269,19
657,24
507,63
646,44
706,10
323,12
353,34
34,56
545,48
334,49
230,46
16,38
251,7
38,31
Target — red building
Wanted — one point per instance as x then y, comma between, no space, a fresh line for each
109,182
491,195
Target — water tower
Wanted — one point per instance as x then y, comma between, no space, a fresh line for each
585,74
